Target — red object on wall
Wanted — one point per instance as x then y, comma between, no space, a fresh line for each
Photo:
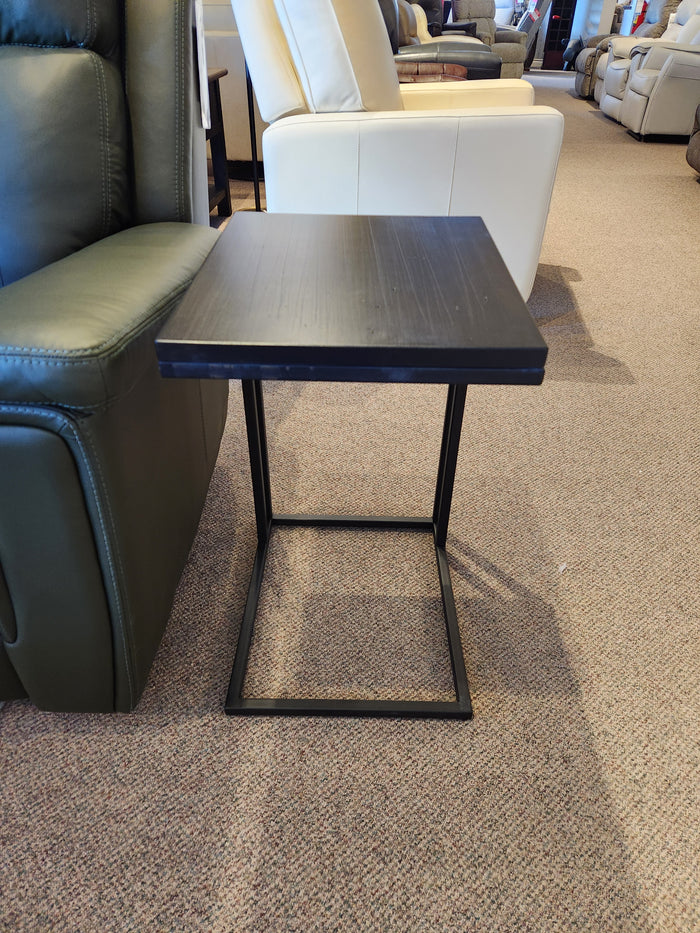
640,16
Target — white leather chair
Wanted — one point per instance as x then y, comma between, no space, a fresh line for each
346,138
614,68
663,91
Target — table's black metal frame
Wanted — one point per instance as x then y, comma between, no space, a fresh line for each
461,707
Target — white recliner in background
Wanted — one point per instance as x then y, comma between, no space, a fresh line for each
346,138
663,90
613,68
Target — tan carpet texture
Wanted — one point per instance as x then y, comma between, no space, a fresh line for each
571,801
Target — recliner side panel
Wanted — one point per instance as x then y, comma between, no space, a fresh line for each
62,649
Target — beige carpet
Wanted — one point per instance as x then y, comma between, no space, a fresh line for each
570,802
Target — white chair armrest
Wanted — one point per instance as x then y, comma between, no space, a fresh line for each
621,46
658,55
439,163
453,95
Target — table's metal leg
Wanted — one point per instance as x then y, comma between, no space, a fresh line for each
260,474
253,138
451,432
257,449
265,519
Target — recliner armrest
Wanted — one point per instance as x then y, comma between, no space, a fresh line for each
621,46
504,34
70,329
480,63
658,53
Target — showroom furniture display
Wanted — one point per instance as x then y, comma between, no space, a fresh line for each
415,44
510,44
584,53
663,90
613,68
105,467
346,138
353,299
693,153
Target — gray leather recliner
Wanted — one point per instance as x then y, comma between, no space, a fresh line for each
103,223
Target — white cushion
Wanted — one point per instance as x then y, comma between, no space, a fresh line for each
685,10
689,31
352,68
277,86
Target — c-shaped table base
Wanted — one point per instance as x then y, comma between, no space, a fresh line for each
461,707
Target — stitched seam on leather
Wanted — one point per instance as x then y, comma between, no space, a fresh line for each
105,166
113,342
122,598
36,45
68,424
87,37
179,64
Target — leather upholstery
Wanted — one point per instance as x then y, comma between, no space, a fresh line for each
613,69
585,51
480,64
105,465
663,90
350,70
417,72
417,45
81,193
369,162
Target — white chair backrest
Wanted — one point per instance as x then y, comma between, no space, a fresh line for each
342,54
277,86
318,56
678,19
688,33
422,30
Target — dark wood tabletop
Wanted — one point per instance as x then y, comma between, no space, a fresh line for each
325,297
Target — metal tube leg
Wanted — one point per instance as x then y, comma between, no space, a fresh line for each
454,412
257,449
253,138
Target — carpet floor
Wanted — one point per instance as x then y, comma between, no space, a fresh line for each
571,802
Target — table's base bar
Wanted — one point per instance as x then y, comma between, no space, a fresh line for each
355,521
460,708
411,709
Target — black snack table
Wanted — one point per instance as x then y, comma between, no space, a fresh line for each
361,299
